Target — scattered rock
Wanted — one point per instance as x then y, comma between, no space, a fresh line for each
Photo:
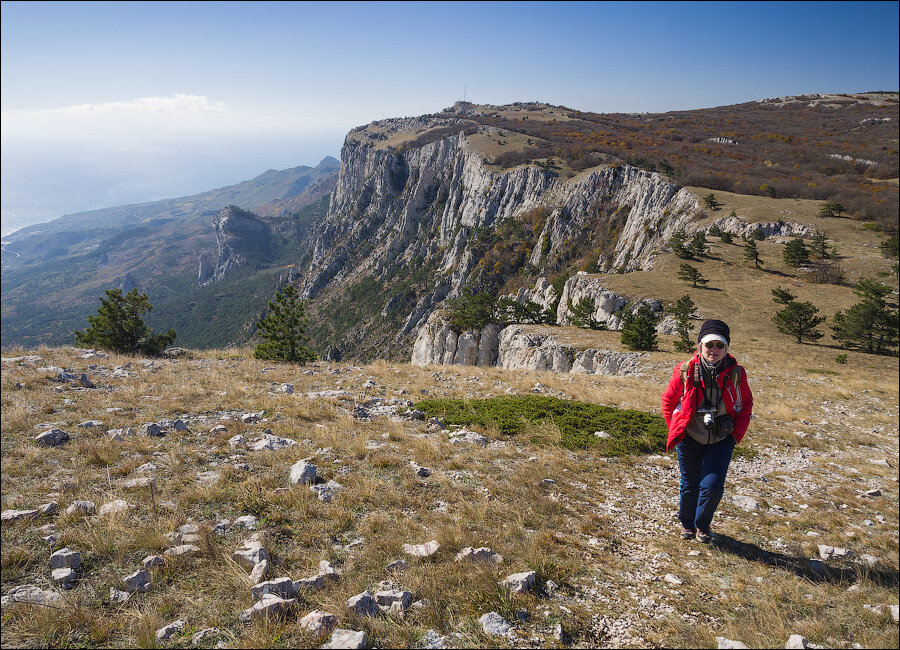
724,643
65,558
135,483
151,429
90,424
170,630
318,622
183,550
12,516
328,571
363,604
287,389
119,435
237,441
81,507
271,442
251,553
314,583
268,606
303,472
326,492
520,582
464,436
219,428
117,596
418,470
432,641
672,579
392,600
797,641
52,438
205,635
260,571
180,425
64,577
152,561
341,638
283,587
745,503
398,565
139,581
482,554
880,462
31,594
111,508
249,522
495,625
422,550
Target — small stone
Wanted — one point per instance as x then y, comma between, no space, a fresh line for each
90,424
152,561
183,550
418,470
170,630
113,507
260,571
250,554
135,483
724,643
151,429
693,553
868,560
139,581
283,587
397,565
12,516
52,438
31,594
65,558
303,472
745,503
363,604
188,529
326,492
393,600
797,641
81,507
286,389
237,441
520,582
64,577
219,428
318,622
494,625
341,638
482,554
249,522
432,641
251,418
204,635
873,493
118,596
328,571
422,550
313,583
672,579
180,425
272,443
268,606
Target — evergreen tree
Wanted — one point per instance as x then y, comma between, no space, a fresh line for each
471,311
758,233
782,296
832,209
118,326
715,231
711,202
508,311
582,313
691,274
677,243
639,329
699,246
727,237
819,245
799,319
284,329
684,310
796,253
871,324
751,252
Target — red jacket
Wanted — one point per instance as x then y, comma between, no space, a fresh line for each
680,405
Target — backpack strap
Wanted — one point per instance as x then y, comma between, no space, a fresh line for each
736,373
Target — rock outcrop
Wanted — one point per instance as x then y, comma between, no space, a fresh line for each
239,234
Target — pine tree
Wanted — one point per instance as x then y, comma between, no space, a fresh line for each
727,237
698,245
711,202
751,252
118,326
782,296
796,253
691,274
819,245
871,324
582,313
677,243
684,310
284,329
799,319
471,311
639,330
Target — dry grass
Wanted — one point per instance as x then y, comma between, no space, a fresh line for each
597,531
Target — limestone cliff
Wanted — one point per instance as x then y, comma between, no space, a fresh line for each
239,235
406,225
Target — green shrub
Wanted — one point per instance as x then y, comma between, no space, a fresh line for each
631,432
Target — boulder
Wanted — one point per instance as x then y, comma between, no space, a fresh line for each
318,622
260,571
138,582
52,438
250,553
341,638
113,507
362,604
170,630
495,625
303,472
283,587
268,606
65,558
31,594
393,600
520,582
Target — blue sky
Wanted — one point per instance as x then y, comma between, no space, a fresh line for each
160,99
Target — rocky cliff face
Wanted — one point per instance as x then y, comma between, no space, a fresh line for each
419,210
239,235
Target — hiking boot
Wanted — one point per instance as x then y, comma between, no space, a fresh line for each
687,533
704,536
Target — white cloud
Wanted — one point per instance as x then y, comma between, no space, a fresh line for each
178,104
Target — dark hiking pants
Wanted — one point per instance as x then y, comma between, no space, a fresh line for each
703,469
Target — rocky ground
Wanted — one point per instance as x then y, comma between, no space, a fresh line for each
220,501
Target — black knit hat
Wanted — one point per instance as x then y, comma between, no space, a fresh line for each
715,327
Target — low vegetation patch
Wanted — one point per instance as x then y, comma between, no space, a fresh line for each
630,432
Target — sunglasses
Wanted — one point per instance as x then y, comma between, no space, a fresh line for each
718,345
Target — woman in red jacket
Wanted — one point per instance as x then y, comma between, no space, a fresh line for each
707,407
